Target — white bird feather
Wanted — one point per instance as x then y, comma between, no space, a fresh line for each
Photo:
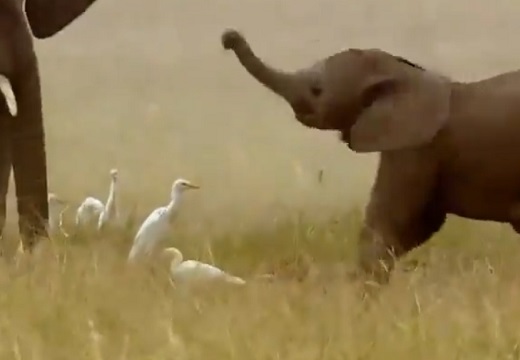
57,207
110,212
157,225
191,271
88,212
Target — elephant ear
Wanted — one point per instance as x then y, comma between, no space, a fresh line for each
403,106
47,17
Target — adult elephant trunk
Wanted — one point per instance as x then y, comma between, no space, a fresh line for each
29,158
47,17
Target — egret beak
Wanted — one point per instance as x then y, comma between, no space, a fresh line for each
193,186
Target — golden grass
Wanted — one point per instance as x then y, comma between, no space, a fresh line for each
148,89
79,299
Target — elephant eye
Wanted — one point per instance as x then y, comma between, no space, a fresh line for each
316,90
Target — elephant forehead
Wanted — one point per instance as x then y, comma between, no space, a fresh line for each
317,68
345,69
341,60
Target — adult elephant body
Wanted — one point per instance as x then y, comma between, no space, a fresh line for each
446,147
22,138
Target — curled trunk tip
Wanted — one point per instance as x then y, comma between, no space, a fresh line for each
276,80
232,39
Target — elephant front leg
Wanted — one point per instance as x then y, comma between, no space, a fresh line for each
404,211
29,159
378,249
382,243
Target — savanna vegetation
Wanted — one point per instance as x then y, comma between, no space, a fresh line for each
145,87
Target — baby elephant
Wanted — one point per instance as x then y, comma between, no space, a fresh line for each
446,147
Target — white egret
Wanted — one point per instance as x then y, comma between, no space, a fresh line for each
110,211
157,225
196,271
57,207
88,212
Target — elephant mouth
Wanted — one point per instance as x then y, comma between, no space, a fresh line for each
344,136
314,121
303,112
307,119
307,116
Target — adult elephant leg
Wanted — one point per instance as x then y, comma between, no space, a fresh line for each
403,211
29,159
5,167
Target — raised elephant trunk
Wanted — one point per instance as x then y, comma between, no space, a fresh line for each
301,89
278,81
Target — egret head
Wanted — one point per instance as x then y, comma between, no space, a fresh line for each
173,255
113,174
181,185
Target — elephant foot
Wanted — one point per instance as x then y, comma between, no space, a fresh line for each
32,232
29,243
376,258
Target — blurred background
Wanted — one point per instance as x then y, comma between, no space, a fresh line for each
147,88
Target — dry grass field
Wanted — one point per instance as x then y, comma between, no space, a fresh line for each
144,86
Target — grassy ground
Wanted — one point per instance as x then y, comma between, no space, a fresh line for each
80,300
146,88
